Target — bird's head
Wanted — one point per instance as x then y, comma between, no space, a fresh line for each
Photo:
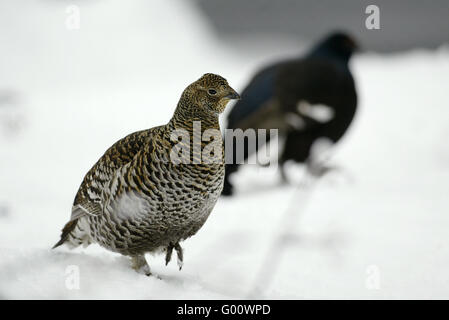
338,44
212,93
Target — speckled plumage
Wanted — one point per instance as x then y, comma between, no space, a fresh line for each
135,200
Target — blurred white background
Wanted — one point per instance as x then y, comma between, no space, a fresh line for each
377,231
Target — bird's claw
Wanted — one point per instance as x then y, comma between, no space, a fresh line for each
320,169
168,254
179,253
145,270
180,263
140,265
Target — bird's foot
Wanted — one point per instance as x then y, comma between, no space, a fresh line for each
140,265
284,178
228,189
168,254
179,253
320,169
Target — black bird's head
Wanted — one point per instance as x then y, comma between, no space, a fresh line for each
338,45
212,93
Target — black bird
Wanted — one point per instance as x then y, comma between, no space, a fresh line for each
286,96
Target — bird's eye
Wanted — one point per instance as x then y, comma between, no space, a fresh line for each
212,92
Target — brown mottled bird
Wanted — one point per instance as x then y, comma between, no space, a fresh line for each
136,199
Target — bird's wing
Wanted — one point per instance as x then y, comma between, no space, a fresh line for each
318,82
311,80
255,96
268,116
88,199
133,190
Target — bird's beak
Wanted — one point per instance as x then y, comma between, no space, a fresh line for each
232,95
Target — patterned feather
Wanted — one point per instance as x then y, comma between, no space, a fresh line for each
136,200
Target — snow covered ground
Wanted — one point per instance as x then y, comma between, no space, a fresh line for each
378,230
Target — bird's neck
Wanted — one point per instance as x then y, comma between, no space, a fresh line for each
341,57
188,114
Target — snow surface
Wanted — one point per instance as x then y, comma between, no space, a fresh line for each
376,230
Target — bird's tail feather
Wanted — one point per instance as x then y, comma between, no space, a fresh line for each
73,235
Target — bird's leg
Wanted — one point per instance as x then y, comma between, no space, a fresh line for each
284,177
320,155
318,169
179,253
227,187
169,253
140,264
